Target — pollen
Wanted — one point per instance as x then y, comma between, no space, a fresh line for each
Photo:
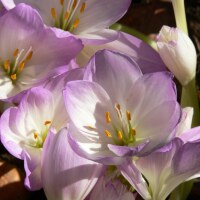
6,64
74,4
108,134
108,119
47,122
128,114
29,56
53,13
21,65
35,135
83,7
15,53
13,76
61,2
119,134
76,22
66,16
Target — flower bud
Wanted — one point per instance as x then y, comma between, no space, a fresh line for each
178,53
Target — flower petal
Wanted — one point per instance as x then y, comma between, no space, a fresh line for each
74,176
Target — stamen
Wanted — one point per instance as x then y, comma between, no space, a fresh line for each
47,122
13,76
76,22
66,16
35,135
29,56
108,134
90,127
119,134
118,109
21,65
83,7
61,2
15,53
133,132
128,114
108,119
53,13
6,64
74,4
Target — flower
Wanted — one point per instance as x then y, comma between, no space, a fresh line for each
115,116
164,169
24,128
109,186
88,19
31,53
178,53
65,175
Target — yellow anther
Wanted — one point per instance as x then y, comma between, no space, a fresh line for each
108,134
21,65
47,122
13,76
15,53
76,22
53,13
6,64
119,134
74,4
108,119
29,56
133,132
61,2
66,16
90,127
35,135
82,7
117,106
128,114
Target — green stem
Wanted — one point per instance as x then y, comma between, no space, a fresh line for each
189,98
179,11
131,31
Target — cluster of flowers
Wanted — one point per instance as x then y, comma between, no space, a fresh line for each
103,131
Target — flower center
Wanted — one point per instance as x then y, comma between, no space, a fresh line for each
123,135
68,18
39,138
16,64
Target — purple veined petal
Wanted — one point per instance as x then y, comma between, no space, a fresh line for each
134,177
124,151
101,14
74,176
145,56
106,68
32,166
34,43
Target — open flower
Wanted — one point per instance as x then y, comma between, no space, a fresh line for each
24,128
166,168
178,53
65,175
88,19
31,53
115,116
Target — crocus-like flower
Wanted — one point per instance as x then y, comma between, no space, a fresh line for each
112,189
116,111
65,175
166,168
88,19
30,53
24,128
178,53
